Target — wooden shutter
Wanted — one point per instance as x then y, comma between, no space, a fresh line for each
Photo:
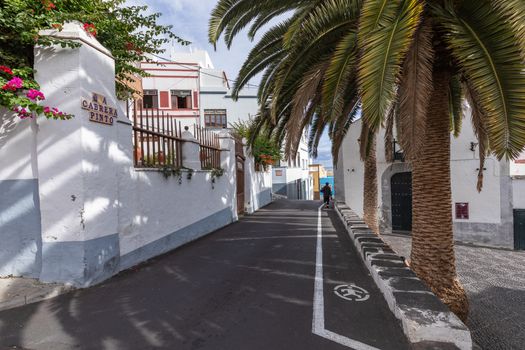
195,99
164,99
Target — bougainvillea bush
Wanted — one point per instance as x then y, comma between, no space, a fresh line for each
19,93
127,31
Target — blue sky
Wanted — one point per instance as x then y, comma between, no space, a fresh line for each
190,21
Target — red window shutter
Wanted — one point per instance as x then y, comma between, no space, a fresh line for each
164,99
196,99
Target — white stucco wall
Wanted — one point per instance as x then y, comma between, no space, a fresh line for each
245,108
517,167
17,147
152,207
353,170
168,76
488,221
258,185
70,187
518,188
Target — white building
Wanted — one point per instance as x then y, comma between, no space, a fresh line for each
494,217
218,110
292,178
173,89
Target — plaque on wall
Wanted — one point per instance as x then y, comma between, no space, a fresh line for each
99,111
462,211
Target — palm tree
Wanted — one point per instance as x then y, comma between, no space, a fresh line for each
410,59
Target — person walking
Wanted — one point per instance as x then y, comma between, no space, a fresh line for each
327,194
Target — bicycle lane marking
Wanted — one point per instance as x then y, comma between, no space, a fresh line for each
318,321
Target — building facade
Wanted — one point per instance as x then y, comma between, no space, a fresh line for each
494,217
173,88
317,171
291,178
190,89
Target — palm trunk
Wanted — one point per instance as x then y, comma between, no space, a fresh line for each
370,189
432,257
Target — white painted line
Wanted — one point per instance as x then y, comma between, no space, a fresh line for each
318,326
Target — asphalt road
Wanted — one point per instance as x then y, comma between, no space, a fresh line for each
252,285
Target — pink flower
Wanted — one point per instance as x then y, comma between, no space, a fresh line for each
53,112
33,94
6,70
13,84
22,112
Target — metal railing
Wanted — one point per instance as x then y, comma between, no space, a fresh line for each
210,148
156,138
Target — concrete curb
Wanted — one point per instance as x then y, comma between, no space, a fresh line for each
34,295
426,321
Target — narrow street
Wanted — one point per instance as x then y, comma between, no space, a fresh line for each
252,285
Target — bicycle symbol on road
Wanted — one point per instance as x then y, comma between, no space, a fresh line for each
351,292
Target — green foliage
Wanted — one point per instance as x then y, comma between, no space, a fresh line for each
127,31
265,150
169,170
380,55
23,96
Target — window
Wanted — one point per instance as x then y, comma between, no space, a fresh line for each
215,118
150,99
181,99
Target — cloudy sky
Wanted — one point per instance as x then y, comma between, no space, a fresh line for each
190,21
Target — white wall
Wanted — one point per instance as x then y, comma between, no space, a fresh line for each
518,188
517,167
167,76
85,211
17,147
156,212
353,169
245,108
258,185
485,208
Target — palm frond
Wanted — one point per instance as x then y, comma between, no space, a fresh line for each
415,89
478,125
512,11
343,123
339,74
485,47
316,131
456,110
383,51
389,134
305,95
365,140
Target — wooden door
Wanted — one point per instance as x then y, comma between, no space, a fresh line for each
401,188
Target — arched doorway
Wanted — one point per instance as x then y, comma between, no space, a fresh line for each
401,190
